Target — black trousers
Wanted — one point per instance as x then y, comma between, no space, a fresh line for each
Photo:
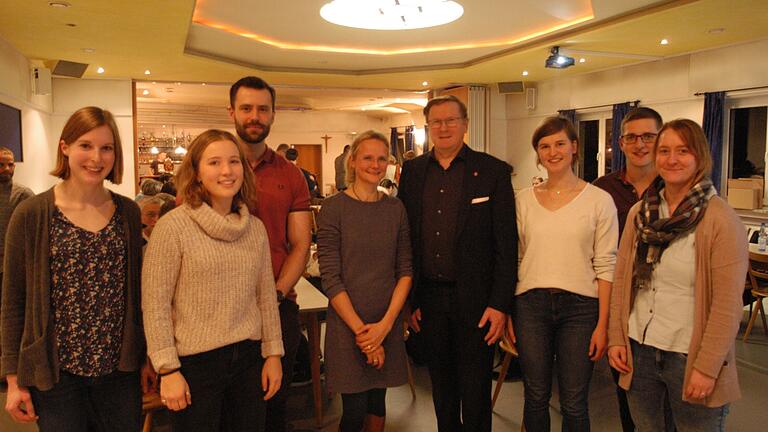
276,407
225,384
459,362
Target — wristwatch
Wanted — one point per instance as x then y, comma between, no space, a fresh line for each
280,296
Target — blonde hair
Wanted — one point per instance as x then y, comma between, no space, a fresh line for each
80,123
191,189
369,134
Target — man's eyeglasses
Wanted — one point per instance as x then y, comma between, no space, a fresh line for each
451,122
646,138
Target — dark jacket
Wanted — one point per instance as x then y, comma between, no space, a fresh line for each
486,235
26,322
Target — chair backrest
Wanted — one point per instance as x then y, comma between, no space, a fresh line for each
758,268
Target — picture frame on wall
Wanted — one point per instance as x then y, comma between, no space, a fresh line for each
10,131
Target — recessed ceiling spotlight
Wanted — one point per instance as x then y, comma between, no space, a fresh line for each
145,92
147,72
88,50
202,84
100,70
363,109
664,42
178,83
154,82
424,83
59,4
163,125
525,73
582,60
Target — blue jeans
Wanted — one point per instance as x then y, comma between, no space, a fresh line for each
553,324
658,376
225,384
111,403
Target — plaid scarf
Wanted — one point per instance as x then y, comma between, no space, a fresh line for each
655,233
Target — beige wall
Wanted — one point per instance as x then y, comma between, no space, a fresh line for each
665,85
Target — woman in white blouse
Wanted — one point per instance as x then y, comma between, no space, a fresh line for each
568,234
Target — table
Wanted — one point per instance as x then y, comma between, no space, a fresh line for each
753,248
311,302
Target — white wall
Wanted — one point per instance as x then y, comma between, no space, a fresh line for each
69,95
666,85
16,91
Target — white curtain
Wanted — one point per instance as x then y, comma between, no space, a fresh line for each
478,119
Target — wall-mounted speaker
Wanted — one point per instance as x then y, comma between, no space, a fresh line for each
511,87
69,69
530,98
41,81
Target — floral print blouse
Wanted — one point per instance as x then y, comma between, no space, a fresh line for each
88,273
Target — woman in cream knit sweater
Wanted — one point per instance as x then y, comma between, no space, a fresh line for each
210,313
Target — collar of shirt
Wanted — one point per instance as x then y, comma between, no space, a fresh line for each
461,155
267,158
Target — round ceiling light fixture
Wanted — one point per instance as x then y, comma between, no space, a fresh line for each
391,14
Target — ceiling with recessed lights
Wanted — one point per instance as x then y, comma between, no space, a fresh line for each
289,44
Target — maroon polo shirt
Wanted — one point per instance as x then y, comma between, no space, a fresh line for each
281,189
623,193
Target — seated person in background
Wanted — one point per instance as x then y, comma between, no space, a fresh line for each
169,187
314,190
149,187
150,213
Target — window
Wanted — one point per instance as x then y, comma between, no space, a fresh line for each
594,145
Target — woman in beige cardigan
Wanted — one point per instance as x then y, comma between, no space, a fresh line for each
676,301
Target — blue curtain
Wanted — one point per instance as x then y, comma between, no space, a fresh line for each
569,114
393,142
409,138
714,110
618,162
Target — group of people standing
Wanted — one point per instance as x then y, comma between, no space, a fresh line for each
209,309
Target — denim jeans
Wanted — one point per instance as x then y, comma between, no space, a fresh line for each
111,403
553,324
289,323
658,376
225,384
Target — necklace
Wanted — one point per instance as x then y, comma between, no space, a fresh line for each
360,199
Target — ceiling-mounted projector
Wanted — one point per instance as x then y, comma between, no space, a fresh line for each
556,60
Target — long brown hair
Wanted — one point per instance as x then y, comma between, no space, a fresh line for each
191,189
80,123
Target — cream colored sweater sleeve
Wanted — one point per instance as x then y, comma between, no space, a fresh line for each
162,263
271,337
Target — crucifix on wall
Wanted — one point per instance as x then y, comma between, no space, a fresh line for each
326,138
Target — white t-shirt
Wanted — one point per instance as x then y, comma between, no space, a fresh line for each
569,248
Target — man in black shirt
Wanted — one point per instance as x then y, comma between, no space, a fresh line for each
461,211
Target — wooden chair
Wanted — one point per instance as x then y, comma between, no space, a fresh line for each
150,403
510,351
758,271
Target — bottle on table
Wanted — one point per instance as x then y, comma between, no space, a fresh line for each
762,238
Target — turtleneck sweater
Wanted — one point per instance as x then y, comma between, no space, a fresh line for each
207,283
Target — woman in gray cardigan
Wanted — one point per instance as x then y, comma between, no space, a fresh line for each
72,342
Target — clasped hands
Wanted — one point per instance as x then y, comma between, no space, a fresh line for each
369,338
